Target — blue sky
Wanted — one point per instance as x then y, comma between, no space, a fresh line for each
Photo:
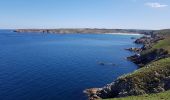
131,14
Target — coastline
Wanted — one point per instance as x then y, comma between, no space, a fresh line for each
84,31
138,82
92,92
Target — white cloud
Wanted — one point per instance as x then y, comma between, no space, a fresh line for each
156,5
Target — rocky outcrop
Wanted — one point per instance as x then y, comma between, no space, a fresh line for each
92,93
148,41
152,55
106,64
146,54
137,50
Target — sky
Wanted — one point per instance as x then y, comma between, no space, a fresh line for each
126,14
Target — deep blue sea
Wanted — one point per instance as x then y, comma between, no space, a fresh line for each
59,67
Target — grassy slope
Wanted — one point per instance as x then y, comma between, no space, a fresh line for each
146,74
159,96
163,44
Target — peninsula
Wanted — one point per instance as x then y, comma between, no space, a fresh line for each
83,31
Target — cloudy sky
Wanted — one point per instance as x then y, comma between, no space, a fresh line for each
138,14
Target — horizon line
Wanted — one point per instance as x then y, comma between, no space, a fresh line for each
82,28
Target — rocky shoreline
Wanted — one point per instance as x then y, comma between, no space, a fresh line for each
142,58
132,86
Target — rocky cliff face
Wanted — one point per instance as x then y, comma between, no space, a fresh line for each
146,58
149,41
150,79
146,54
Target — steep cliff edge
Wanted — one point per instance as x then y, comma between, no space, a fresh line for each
153,78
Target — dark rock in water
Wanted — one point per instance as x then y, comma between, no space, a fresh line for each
113,64
133,38
101,63
134,49
109,64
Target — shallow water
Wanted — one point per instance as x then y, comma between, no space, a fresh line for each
60,67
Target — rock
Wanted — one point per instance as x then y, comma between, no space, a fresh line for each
134,49
108,64
153,55
101,63
123,87
133,38
148,41
92,93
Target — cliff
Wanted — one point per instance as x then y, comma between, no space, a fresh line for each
153,78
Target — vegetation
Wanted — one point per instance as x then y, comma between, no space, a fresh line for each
162,67
152,74
158,96
157,50
165,32
165,44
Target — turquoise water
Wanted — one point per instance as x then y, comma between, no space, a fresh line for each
60,67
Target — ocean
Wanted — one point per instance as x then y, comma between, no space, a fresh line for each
60,66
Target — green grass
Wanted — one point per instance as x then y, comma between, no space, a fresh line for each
146,73
159,96
165,44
